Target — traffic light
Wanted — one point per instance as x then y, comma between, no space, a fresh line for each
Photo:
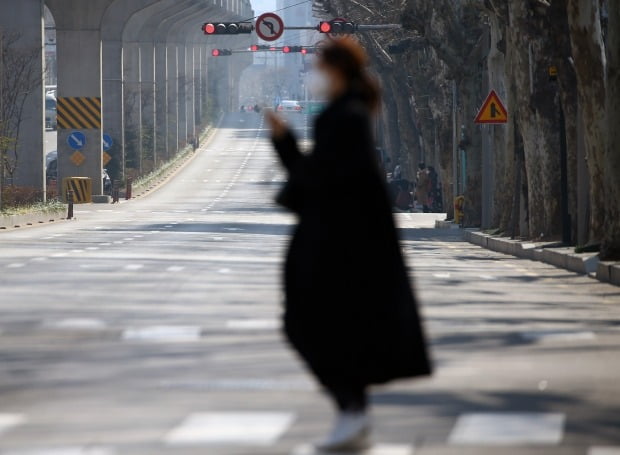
258,47
337,27
227,28
290,49
221,52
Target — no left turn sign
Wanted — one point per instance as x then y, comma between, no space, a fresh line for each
269,27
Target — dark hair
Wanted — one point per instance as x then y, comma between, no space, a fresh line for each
349,57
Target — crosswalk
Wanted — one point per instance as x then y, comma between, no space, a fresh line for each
264,429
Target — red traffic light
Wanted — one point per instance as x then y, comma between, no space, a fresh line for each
286,49
208,28
254,47
304,51
227,28
325,27
215,52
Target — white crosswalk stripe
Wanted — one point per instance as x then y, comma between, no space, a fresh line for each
604,451
63,451
163,333
379,449
231,428
9,421
508,429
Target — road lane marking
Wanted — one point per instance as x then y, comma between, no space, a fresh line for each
59,255
498,429
175,268
76,323
9,421
163,333
134,266
64,451
487,277
290,385
441,275
379,449
39,259
92,248
550,336
253,324
234,428
15,265
604,451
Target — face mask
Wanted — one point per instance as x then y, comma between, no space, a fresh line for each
318,84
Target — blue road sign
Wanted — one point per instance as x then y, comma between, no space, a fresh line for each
76,140
107,142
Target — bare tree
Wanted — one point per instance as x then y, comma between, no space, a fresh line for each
18,80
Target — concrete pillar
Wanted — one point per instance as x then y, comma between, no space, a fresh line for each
182,94
161,100
147,95
21,21
133,107
173,98
79,87
191,92
113,109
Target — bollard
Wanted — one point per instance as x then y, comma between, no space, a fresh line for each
459,209
70,204
115,191
128,189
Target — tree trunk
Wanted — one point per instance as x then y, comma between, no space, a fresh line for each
589,59
610,249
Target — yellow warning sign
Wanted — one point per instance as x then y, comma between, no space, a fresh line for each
492,111
106,158
79,113
81,188
77,158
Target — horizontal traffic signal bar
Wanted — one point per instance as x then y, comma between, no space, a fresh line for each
227,28
337,27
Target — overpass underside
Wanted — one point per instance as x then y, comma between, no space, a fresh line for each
136,71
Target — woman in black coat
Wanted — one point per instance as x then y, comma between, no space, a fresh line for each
349,312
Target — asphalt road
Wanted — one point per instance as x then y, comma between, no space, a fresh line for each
152,327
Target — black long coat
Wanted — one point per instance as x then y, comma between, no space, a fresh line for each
349,309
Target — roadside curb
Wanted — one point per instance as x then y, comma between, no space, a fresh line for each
562,257
31,219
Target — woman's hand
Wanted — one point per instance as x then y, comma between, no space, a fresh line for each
277,124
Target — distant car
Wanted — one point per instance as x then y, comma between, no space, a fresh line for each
51,121
290,106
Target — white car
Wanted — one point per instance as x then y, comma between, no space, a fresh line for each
290,106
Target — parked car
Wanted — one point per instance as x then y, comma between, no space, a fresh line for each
290,106
51,121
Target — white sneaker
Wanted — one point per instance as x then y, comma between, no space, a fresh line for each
351,432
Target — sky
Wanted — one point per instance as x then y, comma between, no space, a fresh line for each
263,6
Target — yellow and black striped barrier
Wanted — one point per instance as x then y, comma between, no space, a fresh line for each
79,113
82,188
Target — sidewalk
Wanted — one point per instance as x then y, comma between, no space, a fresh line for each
549,253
